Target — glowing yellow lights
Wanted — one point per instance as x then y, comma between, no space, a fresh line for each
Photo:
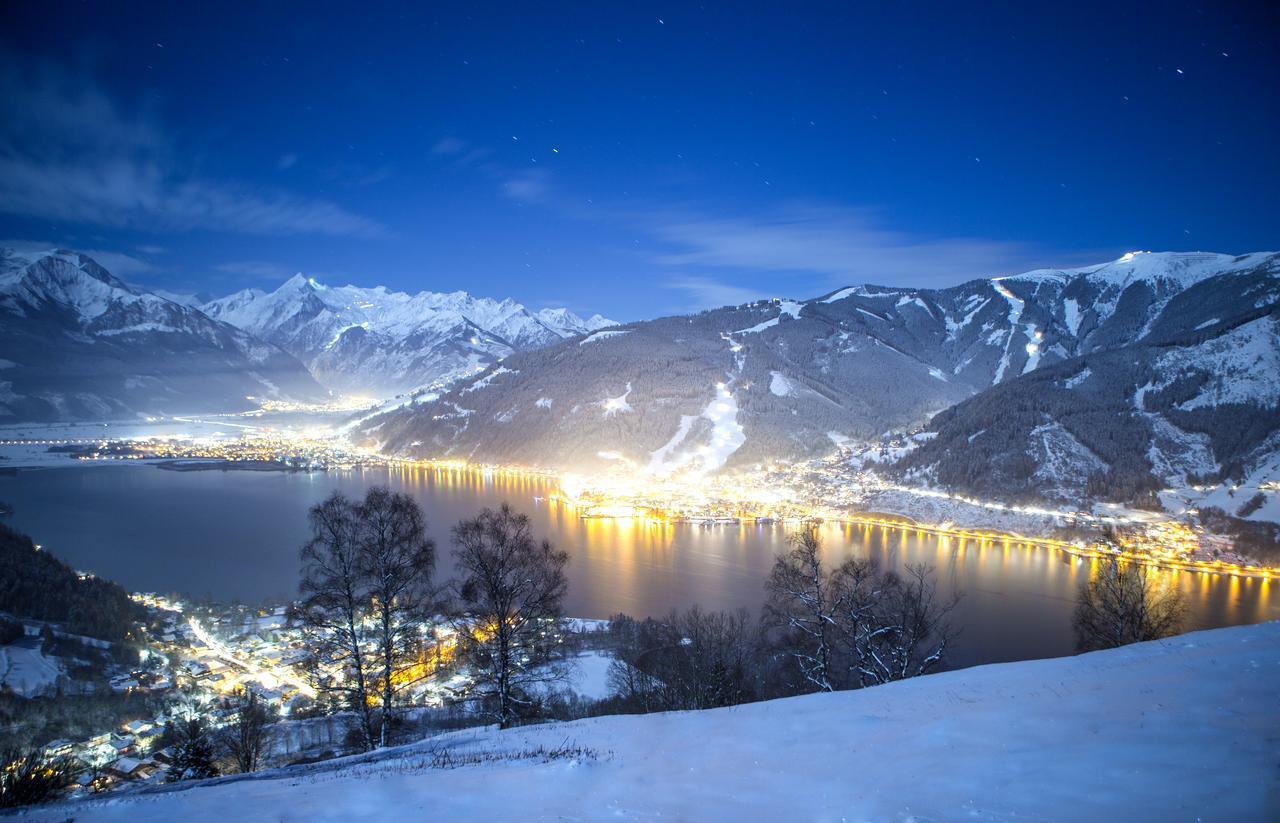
690,488
716,500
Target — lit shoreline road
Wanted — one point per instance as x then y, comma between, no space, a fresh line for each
1076,549
777,494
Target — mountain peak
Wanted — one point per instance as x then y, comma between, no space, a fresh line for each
300,281
105,349
409,340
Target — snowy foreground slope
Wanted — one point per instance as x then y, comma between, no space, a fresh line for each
1185,729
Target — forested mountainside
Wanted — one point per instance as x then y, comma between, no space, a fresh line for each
38,586
1196,399
787,379
76,343
381,343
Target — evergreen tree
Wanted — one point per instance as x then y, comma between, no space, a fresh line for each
193,754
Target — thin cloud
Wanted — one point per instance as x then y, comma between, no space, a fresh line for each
528,187
522,186
69,153
839,245
462,152
449,146
356,175
254,269
120,264
709,293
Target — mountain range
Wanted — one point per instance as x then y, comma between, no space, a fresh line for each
1114,381
77,343
1116,378
378,342
1192,397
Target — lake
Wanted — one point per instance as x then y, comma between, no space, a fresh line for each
235,535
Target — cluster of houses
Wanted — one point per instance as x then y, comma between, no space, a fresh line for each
125,754
178,657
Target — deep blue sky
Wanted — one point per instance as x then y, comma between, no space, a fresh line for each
629,158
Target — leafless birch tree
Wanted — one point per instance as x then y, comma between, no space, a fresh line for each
1125,603
799,606
857,625
335,600
396,559
510,593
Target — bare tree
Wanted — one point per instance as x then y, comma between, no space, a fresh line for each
637,645
897,625
690,660
1123,603
31,777
856,625
335,597
510,590
397,559
799,606
245,739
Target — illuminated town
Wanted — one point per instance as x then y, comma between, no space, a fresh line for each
195,658
833,489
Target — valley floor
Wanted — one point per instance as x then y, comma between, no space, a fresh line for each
1184,729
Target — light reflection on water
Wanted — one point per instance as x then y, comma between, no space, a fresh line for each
236,535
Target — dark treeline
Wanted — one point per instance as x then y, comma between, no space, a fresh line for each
1259,538
33,721
823,629
688,660
36,585
374,624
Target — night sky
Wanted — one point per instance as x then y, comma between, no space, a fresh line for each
629,158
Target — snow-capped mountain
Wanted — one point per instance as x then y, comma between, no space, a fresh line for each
784,379
77,343
1192,398
380,342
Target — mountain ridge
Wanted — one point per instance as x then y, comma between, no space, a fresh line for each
79,343
382,342
851,365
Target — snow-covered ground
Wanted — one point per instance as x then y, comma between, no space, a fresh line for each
26,670
1231,497
1183,729
589,675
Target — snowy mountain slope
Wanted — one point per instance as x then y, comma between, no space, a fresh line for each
800,375
380,342
1195,400
678,392
77,343
1178,729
